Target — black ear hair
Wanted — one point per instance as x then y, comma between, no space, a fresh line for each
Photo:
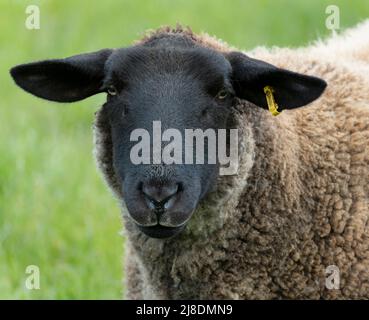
291,89
63,80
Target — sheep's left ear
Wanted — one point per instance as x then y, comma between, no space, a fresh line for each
291,89
63,80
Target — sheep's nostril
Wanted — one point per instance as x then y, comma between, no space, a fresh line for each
160,197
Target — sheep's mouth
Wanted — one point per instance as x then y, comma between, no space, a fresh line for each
160,232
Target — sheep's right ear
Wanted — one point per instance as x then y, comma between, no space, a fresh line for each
292,90
63,80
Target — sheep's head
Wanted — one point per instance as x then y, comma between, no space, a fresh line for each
167,83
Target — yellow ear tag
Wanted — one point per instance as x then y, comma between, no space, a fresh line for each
272,105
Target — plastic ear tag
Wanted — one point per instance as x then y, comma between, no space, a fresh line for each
272,105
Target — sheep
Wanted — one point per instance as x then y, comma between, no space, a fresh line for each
298,207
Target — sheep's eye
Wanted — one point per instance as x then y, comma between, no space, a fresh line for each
112,90
222,94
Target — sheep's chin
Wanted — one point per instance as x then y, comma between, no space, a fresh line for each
161,232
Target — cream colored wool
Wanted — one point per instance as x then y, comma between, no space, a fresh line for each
298,204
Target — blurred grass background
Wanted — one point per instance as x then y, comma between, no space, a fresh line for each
55,211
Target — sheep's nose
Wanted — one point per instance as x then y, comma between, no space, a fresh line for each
159,196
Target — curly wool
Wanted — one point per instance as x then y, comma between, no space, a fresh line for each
298,204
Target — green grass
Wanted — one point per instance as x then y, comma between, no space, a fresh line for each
55,211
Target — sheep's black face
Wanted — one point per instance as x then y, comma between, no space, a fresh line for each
175,89
172,83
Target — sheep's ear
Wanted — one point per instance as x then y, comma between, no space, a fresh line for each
63,80
291,89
